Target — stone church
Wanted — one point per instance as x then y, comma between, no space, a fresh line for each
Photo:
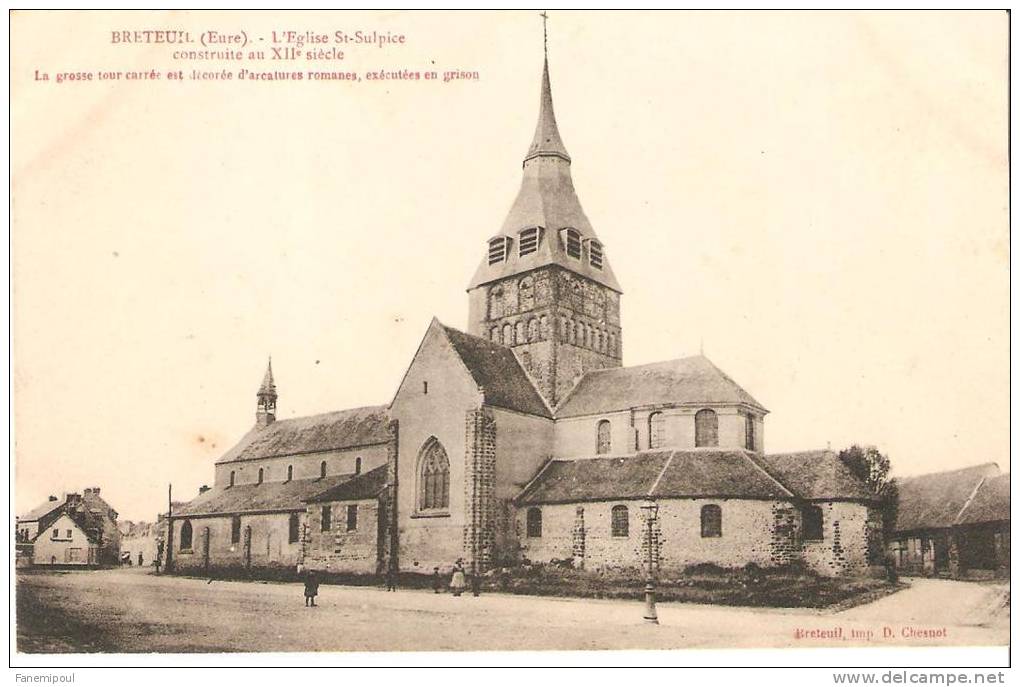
525,437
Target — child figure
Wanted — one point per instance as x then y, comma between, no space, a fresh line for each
311,588
437,581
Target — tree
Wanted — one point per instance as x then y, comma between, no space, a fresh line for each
871,466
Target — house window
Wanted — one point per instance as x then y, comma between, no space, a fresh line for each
604,443
706,428
812,519
498,249
357,465
235,529
749,432
261,475
352,518
529,241
290,472
620,521
327,518
231,478
425,387
293,528
656,430
322,469
711,521
574,243
186,536
534,522
433,477
68,534
595,254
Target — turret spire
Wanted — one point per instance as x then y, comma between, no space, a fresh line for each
265,413
547,141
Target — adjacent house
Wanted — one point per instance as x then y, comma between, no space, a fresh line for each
78,529
953,523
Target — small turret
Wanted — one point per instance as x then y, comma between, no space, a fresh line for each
265,414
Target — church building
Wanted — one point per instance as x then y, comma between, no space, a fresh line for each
525,437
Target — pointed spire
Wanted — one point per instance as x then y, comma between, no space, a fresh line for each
268,386
547,141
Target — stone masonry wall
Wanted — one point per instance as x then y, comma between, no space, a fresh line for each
339,549
844,547
479,489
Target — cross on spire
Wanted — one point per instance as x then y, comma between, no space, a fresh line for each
545,32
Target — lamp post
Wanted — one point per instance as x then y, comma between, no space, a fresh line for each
651,510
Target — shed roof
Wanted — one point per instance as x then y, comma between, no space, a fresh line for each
936,500
816,474
707,473
364,486
990,502
268,496
313,434
685,380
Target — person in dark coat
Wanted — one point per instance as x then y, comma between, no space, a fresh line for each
437,581
311,588
476,582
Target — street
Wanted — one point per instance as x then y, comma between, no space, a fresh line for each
133,610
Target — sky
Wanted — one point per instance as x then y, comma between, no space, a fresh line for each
817,199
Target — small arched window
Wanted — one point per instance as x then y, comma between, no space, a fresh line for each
564,328
533,329
262,475
293,528
494,334
656,430
543,328
595,254
357,465
534,522
749,432
231,478
528,241
570,331
290,472
519,333
498,249
711,521
322,469
579,338
620,521
433,477
235,529
508,335
604,442
496,305
573,241
597,340
812,523
706,428
186,536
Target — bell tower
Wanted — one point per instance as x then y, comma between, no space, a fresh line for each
265,412
545,287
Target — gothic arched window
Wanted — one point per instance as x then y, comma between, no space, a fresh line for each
656,430
749,432
620,521
706,428
534,522
433,477
293,528
604,442
711,521
186,536
322,469
235,529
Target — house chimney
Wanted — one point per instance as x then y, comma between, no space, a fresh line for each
204,488
53,498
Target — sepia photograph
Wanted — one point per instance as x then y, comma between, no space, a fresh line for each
346,332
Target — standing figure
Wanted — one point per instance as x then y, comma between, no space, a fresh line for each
457,582
476,582
437,581
391,579
311,588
